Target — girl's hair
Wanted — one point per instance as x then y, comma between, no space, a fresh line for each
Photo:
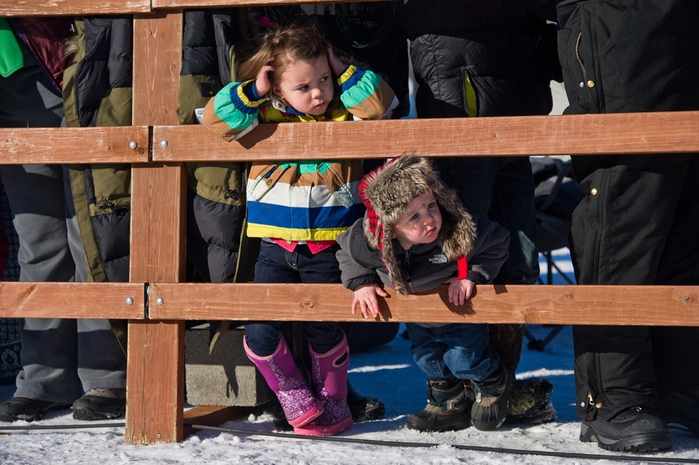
286,44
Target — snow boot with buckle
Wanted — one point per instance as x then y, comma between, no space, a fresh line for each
449,407
286,381
489,409
329,372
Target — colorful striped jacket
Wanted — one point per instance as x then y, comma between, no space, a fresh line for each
300,200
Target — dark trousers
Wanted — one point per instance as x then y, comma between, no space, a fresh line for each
639,223
276,265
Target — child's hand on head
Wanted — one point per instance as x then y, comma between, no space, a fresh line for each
335,63
365,298
460,290
262,83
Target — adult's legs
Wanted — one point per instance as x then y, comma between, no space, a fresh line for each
677,373
35,194
619,236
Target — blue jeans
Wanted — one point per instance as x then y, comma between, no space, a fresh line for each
453,351
276,265
502,190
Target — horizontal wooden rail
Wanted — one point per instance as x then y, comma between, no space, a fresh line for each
72,300
622,133
157,4
125,144
585,305
73,7
124,7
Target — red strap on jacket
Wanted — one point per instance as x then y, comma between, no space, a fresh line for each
462,267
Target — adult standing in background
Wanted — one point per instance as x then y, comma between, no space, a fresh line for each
64,362
639,222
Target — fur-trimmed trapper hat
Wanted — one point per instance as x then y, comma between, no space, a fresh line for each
387,191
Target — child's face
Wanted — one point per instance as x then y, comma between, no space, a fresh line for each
420,223
307,85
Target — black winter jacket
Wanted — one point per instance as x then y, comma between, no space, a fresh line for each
475,58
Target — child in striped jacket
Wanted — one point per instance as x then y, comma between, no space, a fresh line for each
298,208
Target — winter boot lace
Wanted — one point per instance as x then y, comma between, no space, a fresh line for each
448,408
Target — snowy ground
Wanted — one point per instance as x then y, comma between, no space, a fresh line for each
387,372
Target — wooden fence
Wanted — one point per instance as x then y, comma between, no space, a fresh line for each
156,301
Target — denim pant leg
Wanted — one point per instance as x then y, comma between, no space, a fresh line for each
321,267
271,267
276,265
453,351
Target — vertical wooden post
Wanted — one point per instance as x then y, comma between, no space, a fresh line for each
155,371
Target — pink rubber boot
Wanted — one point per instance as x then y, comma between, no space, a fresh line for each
285,379
330,381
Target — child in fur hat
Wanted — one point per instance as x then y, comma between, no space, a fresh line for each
415,236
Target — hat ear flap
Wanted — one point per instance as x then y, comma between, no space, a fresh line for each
373,233
389,258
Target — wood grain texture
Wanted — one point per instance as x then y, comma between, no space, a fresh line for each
72,300
231,3
154,382
74,145
588,305
73,7
155,368
158,222
629,133
156,68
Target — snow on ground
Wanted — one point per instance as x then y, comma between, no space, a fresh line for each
387,372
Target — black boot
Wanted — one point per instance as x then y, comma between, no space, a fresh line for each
100,404
489,409
27,408
448,409
528,402
633,430
364,408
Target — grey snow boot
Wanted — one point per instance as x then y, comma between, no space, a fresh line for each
448,408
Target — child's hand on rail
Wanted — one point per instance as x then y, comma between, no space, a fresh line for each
460,290
365,298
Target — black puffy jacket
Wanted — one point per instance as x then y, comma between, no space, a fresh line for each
475,58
